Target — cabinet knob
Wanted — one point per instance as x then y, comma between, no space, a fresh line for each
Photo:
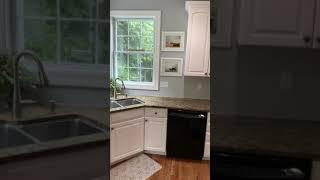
205,73
112,129
307,39
146,120
156,113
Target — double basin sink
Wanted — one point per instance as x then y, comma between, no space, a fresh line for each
46,130
125,102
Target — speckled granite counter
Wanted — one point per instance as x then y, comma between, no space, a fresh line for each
173,103
293,138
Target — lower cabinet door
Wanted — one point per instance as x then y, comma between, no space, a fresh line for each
155,134
127,139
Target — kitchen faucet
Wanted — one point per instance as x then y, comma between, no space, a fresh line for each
123,88
17,102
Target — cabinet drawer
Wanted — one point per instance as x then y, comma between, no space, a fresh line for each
156,112
118,117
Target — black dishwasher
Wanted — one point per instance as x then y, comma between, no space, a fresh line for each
186,131
235,166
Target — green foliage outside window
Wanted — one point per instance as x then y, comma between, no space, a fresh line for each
77,34
134,49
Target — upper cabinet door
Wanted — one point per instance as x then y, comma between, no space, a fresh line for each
277,23
198,38
316,37
221,23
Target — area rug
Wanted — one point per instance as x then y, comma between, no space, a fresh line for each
137,168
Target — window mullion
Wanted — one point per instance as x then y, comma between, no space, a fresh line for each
128,55
115,42
58,21
96,35
140,53
21,24
128,66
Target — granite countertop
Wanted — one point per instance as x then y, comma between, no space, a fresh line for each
168,102
292,138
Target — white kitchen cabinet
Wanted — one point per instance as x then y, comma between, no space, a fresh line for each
316,36
198,39
155,135
155,130
206,154
277,23
127,134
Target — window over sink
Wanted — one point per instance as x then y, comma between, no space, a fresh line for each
135,43
64,32
70,36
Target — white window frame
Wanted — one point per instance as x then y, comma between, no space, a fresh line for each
66,74
156,15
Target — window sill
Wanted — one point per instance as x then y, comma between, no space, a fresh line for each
78,75
147,88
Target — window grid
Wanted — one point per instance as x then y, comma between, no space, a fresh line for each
59,20
128,51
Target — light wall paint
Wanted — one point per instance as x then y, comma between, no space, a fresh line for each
174,18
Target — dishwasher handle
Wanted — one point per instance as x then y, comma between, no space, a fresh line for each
186,115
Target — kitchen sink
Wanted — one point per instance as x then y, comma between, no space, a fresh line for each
129,102
10,136
114,104
61,127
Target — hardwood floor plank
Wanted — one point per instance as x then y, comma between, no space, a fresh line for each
177,169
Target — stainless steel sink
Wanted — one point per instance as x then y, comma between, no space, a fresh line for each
129,102
114,104
10,136
61,127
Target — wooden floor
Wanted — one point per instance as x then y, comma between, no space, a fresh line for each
176,169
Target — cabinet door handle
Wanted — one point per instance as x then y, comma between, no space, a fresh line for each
307,39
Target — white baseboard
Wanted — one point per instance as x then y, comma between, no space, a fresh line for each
155,152
206,158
